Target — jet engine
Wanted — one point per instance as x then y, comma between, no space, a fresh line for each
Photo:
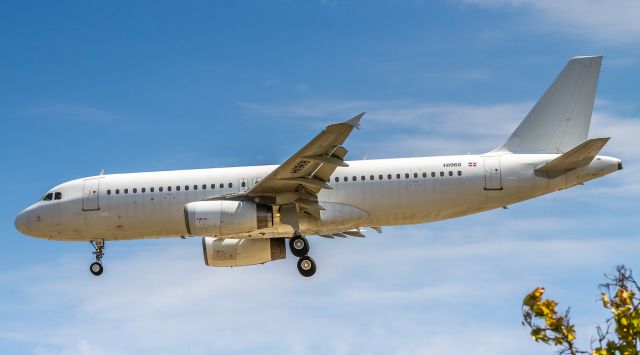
241,252
218,218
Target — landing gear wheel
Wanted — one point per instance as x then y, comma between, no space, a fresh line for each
306,266
96,268
299,245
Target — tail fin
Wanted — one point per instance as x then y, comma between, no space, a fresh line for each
560,120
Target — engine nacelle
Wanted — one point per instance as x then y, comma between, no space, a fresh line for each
217,218
242,252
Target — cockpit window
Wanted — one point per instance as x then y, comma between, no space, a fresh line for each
48,197
57,196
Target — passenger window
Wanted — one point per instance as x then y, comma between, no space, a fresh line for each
186,187
442,173
144,189
346,179
459,173
195,187
221,185
117,191
151,189
177,187
362,178
389,176
213,186
126,191
135,190
424,174
450,173
168,188
433,174
406,175
58,196
204,186
160,188
415,175
230,185
371,177
337,179
243,184
108,192
354,178
380,177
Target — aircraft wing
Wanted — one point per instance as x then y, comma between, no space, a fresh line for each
300,178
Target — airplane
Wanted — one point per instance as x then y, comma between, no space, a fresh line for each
245,214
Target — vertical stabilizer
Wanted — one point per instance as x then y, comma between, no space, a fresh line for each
560,120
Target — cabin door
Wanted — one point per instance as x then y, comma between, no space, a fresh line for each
91,195
492,175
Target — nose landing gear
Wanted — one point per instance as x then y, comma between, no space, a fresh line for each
96,267
300,247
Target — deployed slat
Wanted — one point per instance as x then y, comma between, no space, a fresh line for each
331,160
310,182
309,204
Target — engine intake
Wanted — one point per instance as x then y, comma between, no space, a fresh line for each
218,218
242,252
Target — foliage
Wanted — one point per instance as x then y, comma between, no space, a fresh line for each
619,295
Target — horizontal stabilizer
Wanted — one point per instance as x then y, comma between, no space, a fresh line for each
580,156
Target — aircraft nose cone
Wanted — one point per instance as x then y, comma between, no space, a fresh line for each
22,223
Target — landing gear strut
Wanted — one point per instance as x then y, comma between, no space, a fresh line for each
300,247
96,267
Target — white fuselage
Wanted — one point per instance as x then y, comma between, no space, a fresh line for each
388,191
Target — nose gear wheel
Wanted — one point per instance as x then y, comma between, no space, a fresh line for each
96,267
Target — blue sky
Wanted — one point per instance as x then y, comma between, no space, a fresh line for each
155,85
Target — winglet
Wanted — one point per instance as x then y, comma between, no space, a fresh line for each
355,121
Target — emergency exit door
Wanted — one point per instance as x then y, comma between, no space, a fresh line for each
91,195
244,185
492,174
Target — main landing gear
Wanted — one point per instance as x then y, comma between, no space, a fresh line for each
300,247
96,267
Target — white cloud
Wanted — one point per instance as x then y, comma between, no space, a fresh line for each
422,128
407,128
409,290
416,289
610,22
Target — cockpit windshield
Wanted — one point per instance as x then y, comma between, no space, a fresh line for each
48,197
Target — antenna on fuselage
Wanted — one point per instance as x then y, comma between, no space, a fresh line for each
101,172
